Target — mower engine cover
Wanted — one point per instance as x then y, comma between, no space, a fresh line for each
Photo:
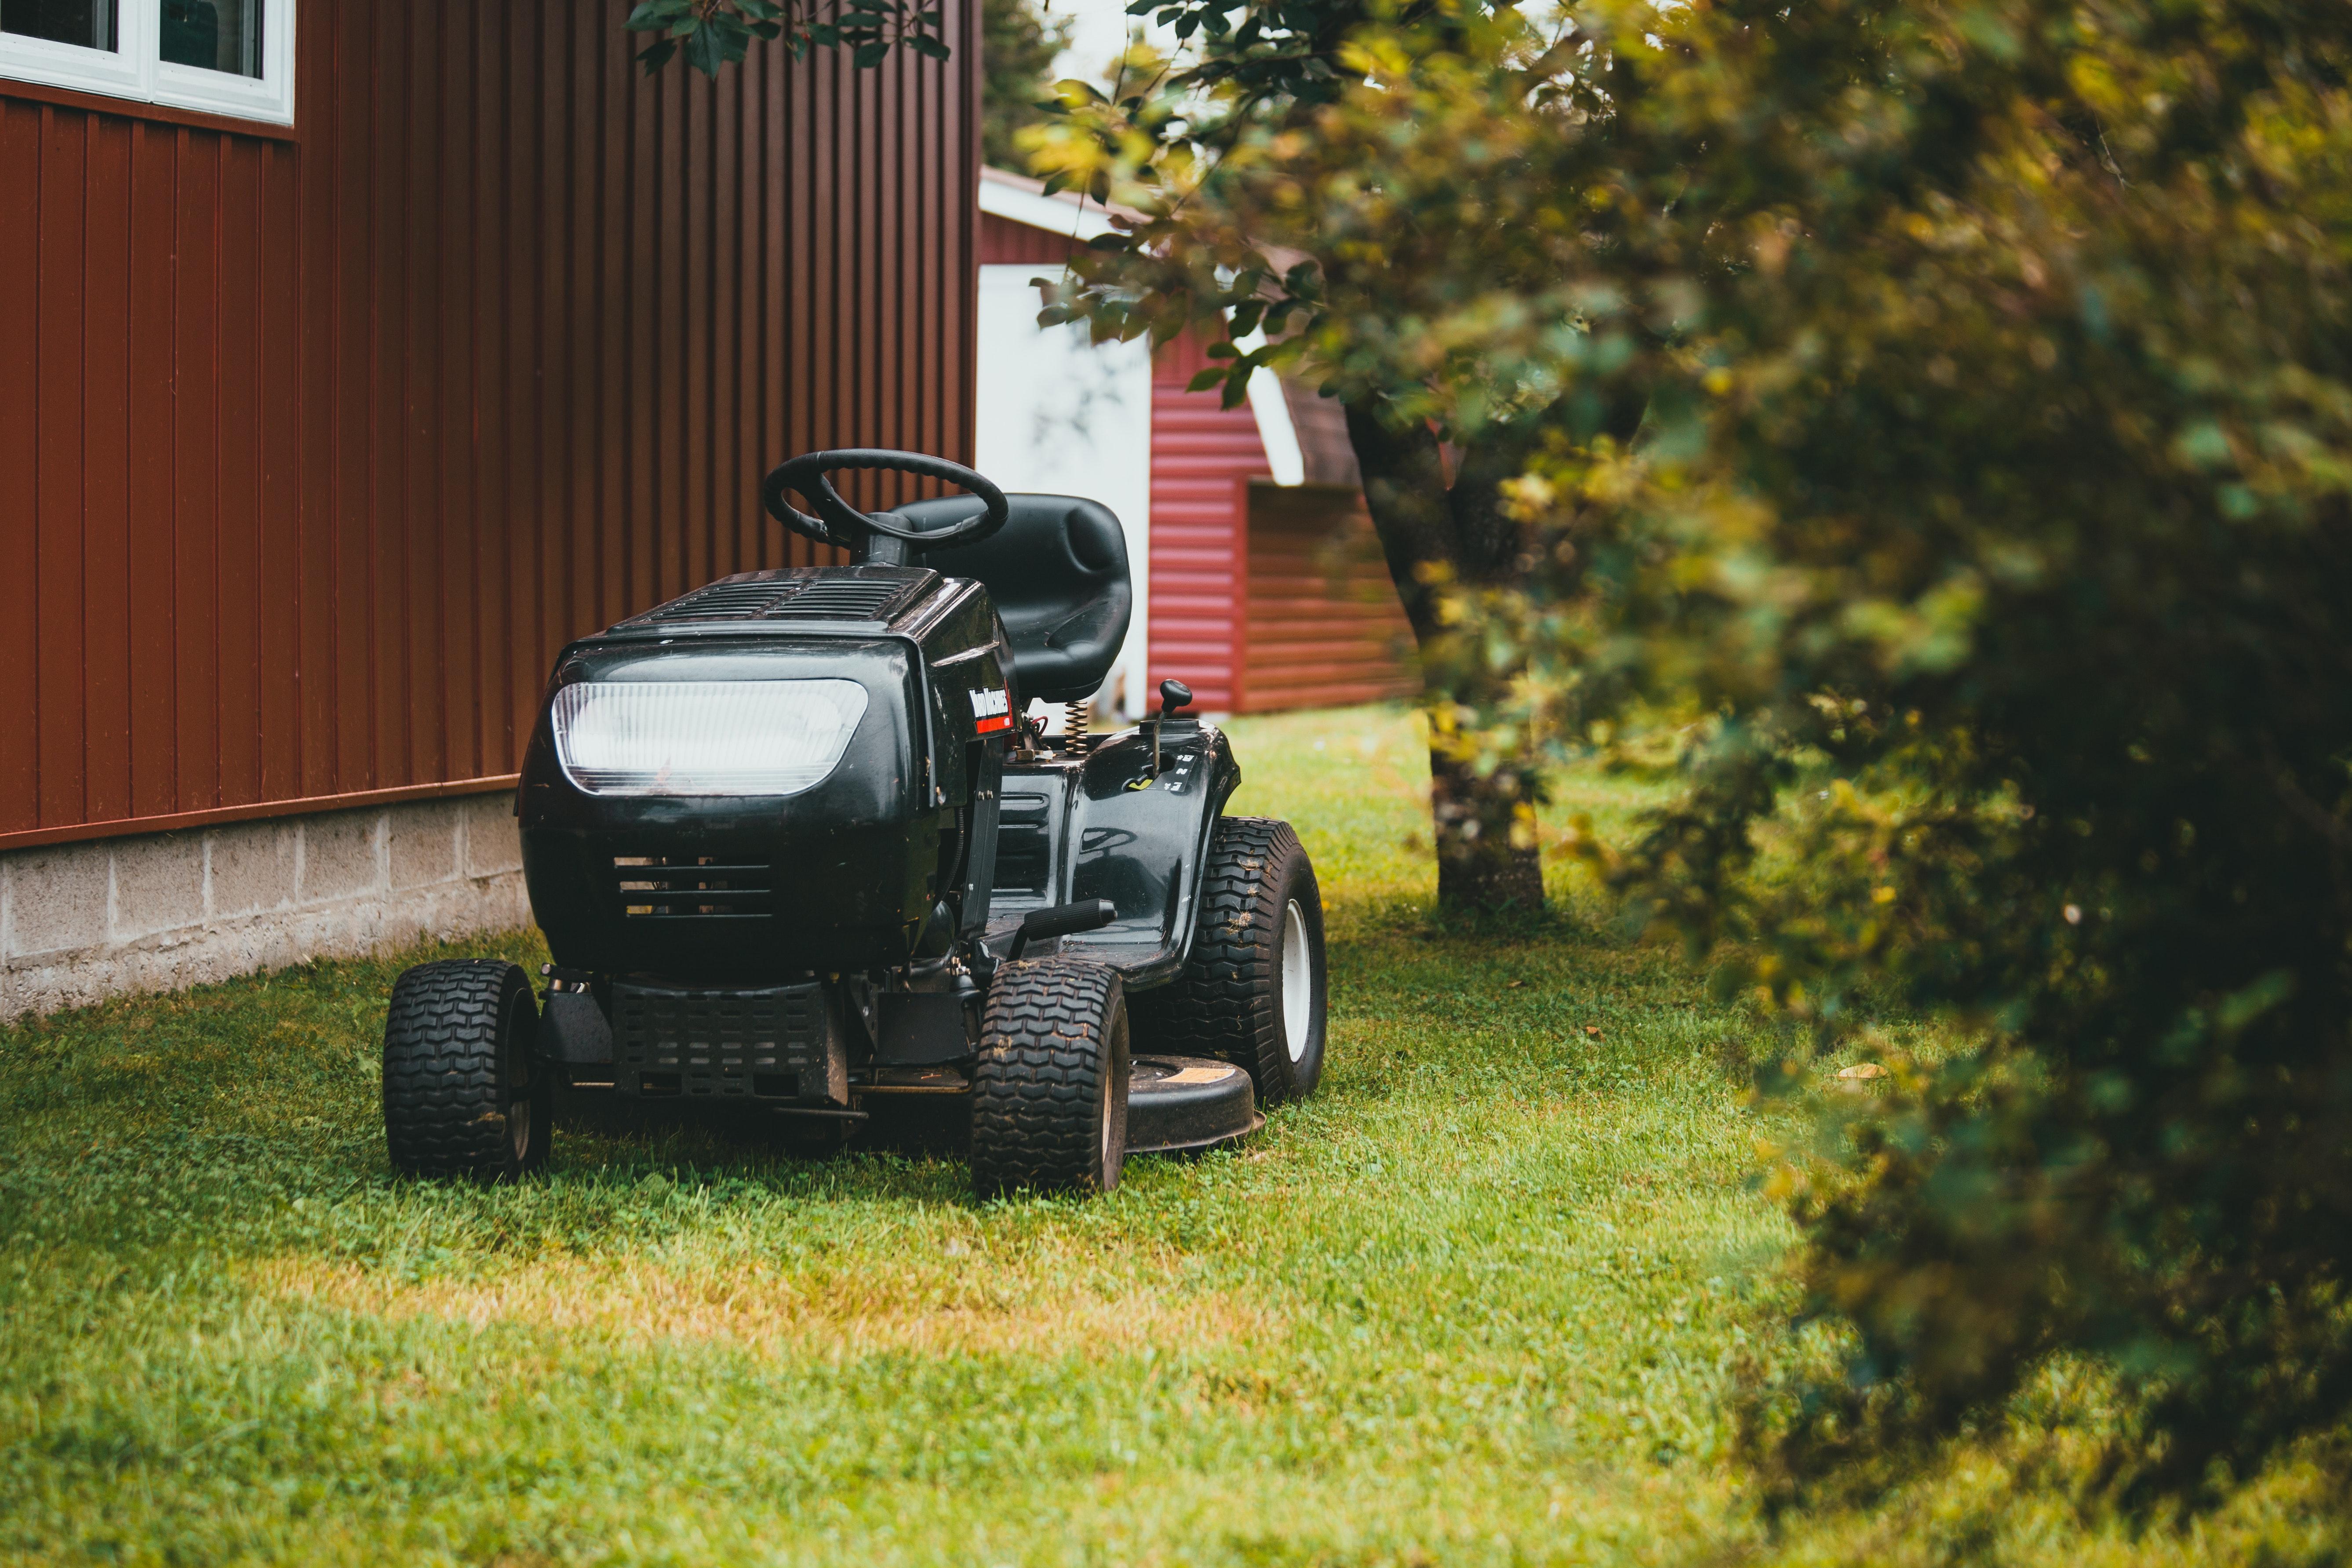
771,775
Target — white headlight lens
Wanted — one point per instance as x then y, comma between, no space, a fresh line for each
704,737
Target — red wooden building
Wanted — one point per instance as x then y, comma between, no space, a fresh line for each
1263,588
356,354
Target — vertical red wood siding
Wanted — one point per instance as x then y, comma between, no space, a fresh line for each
1202,457
315,450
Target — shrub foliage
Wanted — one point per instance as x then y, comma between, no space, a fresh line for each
1984,529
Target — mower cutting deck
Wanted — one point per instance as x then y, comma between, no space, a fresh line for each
795,842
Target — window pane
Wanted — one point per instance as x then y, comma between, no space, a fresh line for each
214,35
88,23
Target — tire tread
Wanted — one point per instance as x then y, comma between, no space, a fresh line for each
444,1104
1223,1004
1048,1034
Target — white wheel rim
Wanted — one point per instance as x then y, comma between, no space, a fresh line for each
1297,983
518,1127
1103,1116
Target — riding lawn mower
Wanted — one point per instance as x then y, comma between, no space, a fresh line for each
798,842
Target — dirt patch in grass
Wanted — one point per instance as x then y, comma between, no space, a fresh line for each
834,1315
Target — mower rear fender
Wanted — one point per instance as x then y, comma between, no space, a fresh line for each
1112,826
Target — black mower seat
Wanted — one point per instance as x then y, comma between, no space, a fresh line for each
1057,574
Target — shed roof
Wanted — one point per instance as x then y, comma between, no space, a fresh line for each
1017,198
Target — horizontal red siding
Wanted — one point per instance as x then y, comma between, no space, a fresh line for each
1325,628
1005,242
1202,457
315,450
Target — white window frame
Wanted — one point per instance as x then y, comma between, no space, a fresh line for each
134,70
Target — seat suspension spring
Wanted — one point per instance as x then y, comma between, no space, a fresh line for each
1076,717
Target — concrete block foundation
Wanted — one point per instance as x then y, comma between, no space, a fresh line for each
83,922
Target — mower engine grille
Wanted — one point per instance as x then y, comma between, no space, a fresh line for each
692,888
788,594
766,1044
837,599
737,599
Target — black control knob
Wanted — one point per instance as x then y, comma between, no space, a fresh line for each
1173,694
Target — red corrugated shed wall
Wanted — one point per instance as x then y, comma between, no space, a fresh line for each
1202,457
316,446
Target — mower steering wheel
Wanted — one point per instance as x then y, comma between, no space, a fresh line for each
839,523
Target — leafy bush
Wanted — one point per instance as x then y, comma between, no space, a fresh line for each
1990,360
1996,470
1018,44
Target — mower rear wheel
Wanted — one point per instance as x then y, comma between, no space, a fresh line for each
1253,991
1049,1092
461,1094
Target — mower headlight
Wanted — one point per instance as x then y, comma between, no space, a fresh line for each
703,737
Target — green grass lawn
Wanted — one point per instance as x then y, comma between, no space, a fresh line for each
1477,1302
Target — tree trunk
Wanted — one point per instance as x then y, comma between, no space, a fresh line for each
1486,856
1483,826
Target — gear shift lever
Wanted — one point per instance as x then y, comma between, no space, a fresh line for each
1173,694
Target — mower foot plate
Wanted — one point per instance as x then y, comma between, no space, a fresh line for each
1188,1105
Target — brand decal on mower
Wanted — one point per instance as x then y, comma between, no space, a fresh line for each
991,710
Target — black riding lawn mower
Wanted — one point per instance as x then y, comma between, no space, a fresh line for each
797,843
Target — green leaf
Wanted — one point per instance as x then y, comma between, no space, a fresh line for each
1206,379
924,44
656,55
706,51
870,55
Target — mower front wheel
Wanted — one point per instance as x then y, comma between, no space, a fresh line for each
1049,1093
461,1094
